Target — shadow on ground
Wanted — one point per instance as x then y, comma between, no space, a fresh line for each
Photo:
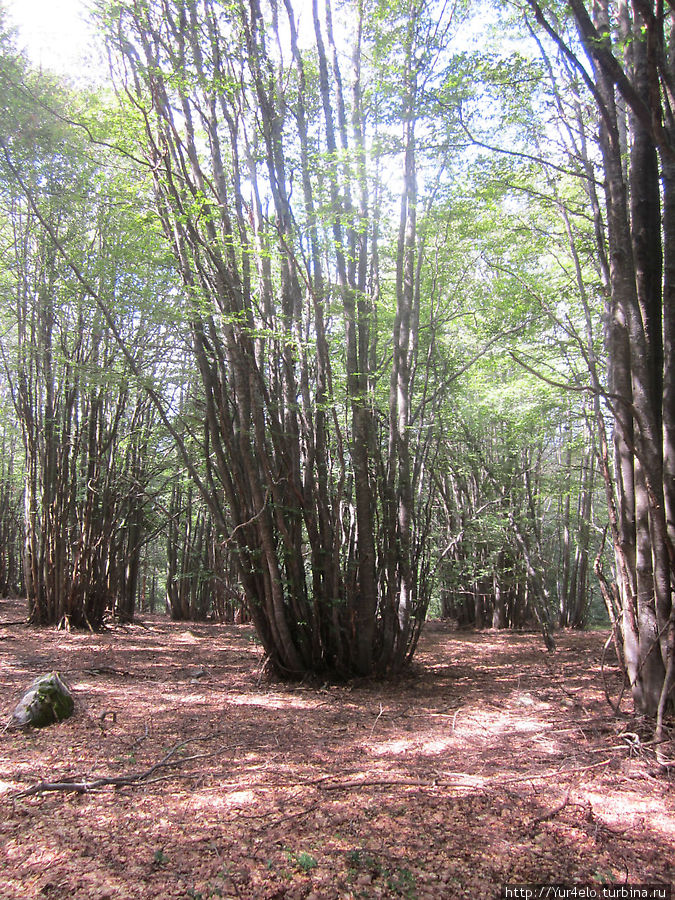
492,763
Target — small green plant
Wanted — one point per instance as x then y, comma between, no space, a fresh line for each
305,862
159,857
604,876
360,860
403,883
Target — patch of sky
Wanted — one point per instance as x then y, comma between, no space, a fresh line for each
58,35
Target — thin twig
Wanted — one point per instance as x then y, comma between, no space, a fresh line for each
85,785
379,716
379,782
556,773
284,818
551,813
612,639
139,740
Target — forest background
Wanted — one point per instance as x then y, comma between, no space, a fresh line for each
338,317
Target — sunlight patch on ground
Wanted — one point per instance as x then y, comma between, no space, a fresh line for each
90,688
546,745
187,637
624,809
464,779
183,699
525,726
271,702
215,801
394,748
524,718
476,721
411,745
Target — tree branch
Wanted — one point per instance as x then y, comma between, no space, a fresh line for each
85,785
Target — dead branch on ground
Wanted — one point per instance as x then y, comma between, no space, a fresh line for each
87,785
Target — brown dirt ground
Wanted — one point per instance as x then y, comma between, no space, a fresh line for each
492,763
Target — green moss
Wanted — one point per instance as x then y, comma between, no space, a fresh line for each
48,700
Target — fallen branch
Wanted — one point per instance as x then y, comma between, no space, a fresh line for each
117,673
551,813
282,819
379,782
78,787
556,773
326,784
379,716
85,785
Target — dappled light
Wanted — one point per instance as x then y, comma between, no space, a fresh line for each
492,761
337,451
631,809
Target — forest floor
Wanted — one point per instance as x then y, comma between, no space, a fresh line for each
492,763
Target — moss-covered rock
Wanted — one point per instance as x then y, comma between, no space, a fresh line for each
46,701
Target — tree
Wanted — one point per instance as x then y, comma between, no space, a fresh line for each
628,74
515,530
11,523
269,185
85,419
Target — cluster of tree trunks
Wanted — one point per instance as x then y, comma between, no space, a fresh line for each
201,577
308,478
11,520
630,75
498,535
85,444
319,468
